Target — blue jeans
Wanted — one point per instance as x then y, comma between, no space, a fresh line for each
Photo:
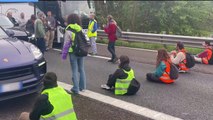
41,44
111,48
77,65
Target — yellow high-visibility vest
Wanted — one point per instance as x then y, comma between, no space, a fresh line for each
62,103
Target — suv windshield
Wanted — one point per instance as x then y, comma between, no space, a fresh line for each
2,34
5,22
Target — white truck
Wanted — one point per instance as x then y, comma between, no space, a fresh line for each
60,10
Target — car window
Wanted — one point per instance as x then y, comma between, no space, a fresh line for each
5,22
3,34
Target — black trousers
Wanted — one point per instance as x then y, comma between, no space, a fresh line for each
151,77
111,48
111,82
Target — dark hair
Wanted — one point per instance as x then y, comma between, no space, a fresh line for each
33,17
208,43
50,80
74,19
124,61
180,45
162,56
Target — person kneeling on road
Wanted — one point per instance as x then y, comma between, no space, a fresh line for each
205,57
123,80
54,103
179,58
162,72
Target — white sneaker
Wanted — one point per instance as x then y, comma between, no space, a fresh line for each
105,87
182,71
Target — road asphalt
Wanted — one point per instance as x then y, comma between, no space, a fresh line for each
189,98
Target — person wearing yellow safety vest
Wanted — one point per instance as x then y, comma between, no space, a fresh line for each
92,33
77,63
54,103
123,80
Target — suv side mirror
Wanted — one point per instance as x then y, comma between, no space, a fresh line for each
10,33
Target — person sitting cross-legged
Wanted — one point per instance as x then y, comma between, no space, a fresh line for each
122,81
54,103
205,57
179,57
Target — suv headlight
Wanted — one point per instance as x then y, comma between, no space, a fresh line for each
36,52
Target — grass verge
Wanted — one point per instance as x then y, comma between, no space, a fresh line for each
150,46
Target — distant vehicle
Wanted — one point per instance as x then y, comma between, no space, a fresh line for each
22,66
61,9
8,25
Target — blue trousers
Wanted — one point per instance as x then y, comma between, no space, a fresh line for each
111,48
41,44
77,65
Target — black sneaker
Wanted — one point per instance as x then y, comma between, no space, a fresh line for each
115,60
110,61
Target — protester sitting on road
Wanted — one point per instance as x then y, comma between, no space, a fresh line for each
122,81
110,29
77,63
205,57
179,57
162,71
53,103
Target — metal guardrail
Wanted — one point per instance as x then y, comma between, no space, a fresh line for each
189,41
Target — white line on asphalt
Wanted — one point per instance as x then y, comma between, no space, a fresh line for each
95,56
143,111
131,48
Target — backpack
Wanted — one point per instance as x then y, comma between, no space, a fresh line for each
133,87
80,47
118,32
174,72
211,59
190,61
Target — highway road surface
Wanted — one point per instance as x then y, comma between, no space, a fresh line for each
189,98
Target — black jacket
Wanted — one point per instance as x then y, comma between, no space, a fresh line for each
120,74
42,106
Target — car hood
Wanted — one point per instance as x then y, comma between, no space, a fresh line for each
17,32
14,52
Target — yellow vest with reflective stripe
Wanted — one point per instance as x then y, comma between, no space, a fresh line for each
90,28
77,28
122,85
62,103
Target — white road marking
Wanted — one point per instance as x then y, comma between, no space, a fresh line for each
131,48
143,111
95,56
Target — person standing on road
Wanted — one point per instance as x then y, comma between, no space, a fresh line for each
40,32
22,22
110,29
53,103
162,71
30,24
92,32
205,57
12,19
51,24
179,57
77,63
123,79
